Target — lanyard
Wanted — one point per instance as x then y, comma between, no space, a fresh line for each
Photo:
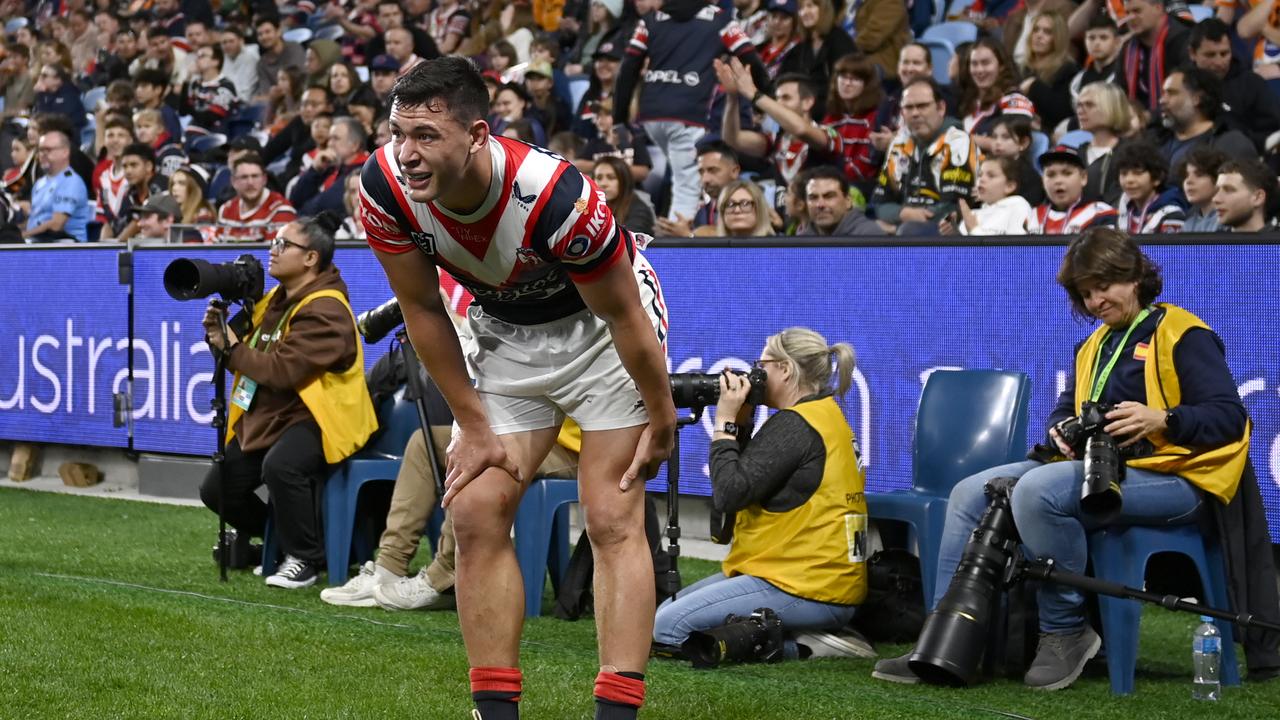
253,341
1100,380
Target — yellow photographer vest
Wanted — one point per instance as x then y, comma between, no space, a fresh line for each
338,401
1216,470
818,550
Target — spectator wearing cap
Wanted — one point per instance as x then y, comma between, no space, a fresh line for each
448,25
1199,173
602,26
782,34
210,98
321,187
1244,192
927,169
383,73
822,42
19,83
274,54
156,216
635,155
60,199
989,90
321,54
239,61
189,187
1066,210
1190,108
139,163
604,74
680,45
551,110
1157,45
391,17
1252,104
56,94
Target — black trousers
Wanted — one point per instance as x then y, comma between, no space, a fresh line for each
294,471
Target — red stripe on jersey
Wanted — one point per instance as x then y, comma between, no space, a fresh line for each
476,237
619,254
378,240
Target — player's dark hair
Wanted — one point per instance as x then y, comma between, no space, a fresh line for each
453,83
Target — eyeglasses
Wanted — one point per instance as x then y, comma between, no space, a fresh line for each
47,149
743,205
759,364
279,245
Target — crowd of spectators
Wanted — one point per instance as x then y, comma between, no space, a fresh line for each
738,117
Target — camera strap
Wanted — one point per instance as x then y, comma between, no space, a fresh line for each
1100,379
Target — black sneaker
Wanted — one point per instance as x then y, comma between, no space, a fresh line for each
1061,657
294,573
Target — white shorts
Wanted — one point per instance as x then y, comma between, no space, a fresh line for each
530,377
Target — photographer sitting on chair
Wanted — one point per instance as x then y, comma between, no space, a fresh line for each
298,403
797,490
1169,401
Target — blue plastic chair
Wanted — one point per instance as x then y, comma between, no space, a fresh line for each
968,421
1120,554
940,54
1075,138
380,460
955,32
578,85
542,537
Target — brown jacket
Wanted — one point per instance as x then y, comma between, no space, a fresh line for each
321,337
882,29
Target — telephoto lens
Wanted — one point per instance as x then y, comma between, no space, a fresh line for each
955,634
698,390
375,324
1103,470
236,281
754,638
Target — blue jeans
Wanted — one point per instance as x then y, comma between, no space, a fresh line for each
1046,509
704,605
679,142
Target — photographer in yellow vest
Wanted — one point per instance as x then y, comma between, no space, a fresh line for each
298,402
799,536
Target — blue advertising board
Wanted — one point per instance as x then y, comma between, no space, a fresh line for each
906,310
64,317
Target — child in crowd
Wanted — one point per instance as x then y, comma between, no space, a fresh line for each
1199,183
1003,211
1102,43
1066,211
1147,206
1011,138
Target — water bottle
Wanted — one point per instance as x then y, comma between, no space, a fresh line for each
1206,653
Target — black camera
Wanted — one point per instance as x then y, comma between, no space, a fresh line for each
955,633
754,638
377,323
1102,455
237,281
698,390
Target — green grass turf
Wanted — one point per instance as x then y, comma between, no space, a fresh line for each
113,609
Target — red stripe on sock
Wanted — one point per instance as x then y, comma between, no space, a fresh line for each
496,679
620,689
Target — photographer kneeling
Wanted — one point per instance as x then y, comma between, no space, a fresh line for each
298,402
797,489
1155,378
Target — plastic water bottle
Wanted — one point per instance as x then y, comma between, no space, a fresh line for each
1206,653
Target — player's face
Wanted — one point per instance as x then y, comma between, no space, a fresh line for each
432,147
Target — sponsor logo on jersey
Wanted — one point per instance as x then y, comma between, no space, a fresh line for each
578,247
524,200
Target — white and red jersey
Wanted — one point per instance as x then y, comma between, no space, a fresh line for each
109,187
238,223
543,226
1047,220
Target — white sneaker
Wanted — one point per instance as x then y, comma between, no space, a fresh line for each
411,593
358,592
846,643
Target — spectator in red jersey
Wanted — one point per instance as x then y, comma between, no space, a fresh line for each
1067,211
852,101
255,213
109,183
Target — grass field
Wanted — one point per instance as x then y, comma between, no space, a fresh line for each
113,609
